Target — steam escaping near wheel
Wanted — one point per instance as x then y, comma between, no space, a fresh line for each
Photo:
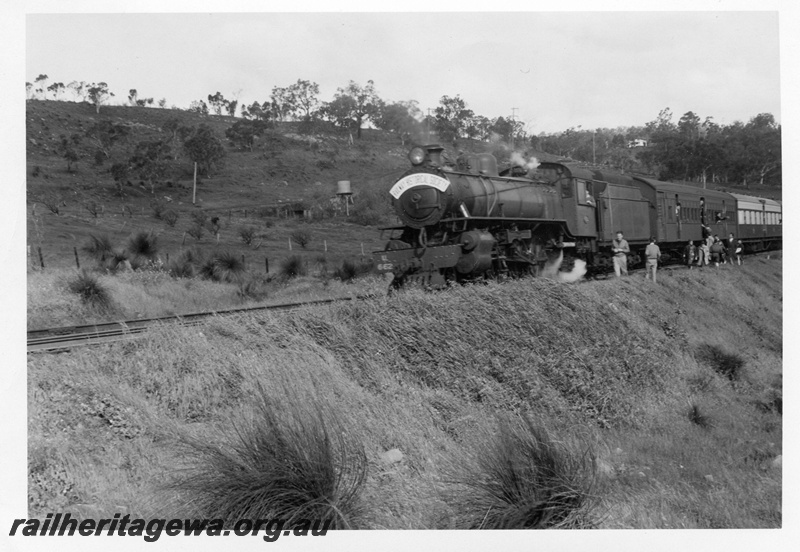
553,266
577,273
550,269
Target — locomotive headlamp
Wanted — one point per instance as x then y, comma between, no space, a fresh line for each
416,156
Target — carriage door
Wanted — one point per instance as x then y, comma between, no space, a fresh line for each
661,213
678,215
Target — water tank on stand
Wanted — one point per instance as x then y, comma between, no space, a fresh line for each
344,192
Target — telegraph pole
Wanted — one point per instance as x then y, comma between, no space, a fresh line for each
428,125
513,124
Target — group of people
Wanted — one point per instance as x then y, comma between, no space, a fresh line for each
713,250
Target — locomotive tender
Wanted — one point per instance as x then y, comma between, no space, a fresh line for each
467,221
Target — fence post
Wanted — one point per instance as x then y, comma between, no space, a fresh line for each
41,259
266,265
77,261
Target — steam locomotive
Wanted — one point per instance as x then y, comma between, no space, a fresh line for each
466,220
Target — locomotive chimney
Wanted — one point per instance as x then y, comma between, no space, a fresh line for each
435,154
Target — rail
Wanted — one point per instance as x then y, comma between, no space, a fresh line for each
65,337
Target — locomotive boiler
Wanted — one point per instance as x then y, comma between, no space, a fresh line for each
465,221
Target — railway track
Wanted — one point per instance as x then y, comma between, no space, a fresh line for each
66,337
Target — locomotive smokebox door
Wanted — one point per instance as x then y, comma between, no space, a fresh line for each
420,199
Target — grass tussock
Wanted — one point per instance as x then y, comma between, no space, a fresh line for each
91,291
223,266
293,266
99,247
286,461
350,270
730,365
143,244
698,418
526,480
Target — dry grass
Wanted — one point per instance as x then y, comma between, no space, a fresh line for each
523,479
608,363
286,460
164,291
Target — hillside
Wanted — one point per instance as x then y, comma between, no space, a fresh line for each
253,188
285,172
664,409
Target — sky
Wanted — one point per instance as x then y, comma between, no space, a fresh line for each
551,70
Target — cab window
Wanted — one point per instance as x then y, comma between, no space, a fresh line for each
585,195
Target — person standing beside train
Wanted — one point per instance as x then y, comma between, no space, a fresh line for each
620,248
717,250
689,254
653,254
731,248
702,254
739,252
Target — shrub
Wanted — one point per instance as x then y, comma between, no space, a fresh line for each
223,266
186,264
247,233
158,209
350,270
115,259
199,217
524,480
90,290
726,364
196,231
52,202
293,266
283,462
99,247
252,288
367,217
170,216
142,246
301,237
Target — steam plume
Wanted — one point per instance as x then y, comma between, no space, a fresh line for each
551,270
518,159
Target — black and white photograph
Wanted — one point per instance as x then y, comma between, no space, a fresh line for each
295,268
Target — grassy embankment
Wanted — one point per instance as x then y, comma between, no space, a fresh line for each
663,406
